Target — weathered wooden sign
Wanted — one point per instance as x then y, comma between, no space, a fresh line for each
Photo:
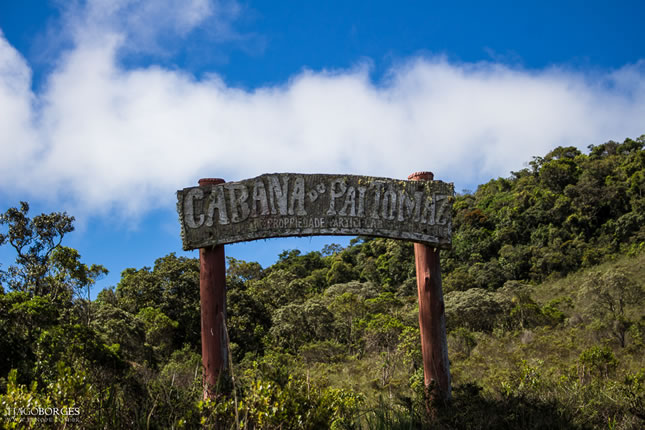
290,204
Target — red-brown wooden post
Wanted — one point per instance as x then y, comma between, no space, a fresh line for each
212,293
432,317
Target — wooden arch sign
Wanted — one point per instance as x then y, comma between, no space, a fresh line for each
288,204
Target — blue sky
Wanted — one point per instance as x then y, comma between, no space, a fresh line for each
107,107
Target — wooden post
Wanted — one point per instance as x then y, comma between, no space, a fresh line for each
432,317
212,293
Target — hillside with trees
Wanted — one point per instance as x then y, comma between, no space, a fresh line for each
545,309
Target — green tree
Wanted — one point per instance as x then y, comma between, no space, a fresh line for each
382,332
117,326
172,286
340,272
179,281
611,295
248,320
160,331
242,271
596,362
279,288
69,276
34,240
559,168
475,309
298,323
138,289
347,308
22,319
299,265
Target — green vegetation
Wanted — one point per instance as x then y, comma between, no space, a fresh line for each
545,307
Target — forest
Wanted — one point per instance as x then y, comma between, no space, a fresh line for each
544,290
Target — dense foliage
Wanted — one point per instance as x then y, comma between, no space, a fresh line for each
545,306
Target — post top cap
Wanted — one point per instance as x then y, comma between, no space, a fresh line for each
210,181
421,176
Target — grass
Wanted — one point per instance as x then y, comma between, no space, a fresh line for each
525,378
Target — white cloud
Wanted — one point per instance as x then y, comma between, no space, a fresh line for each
104,138
18,135
150,27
